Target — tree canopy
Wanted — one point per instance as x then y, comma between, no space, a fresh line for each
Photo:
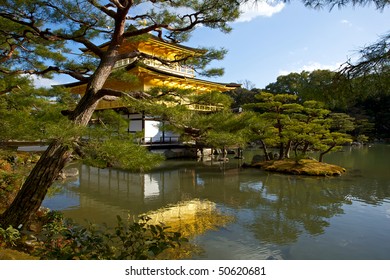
40,37
281,121
364,98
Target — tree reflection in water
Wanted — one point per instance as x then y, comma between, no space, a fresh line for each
268,209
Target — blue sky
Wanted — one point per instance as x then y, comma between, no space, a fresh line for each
272,41
269,41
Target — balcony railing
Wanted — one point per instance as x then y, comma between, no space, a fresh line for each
158,140
123,62
195,107
205,108
173,68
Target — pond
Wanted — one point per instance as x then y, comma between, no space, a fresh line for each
235,213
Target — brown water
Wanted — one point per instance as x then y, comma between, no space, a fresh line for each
235,213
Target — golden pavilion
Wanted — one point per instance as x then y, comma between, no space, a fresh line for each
153,73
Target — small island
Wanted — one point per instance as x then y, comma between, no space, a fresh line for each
309,167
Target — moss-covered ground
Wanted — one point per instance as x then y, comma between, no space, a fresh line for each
308,167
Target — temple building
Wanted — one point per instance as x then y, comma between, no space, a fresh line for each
153,73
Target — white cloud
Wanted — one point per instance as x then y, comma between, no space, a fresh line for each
346,22
58,79
311,66
43,82
251,10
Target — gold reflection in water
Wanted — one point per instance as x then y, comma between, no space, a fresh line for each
191,218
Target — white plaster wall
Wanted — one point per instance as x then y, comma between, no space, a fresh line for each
152,130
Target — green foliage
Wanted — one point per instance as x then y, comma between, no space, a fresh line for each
262,129
365,98
227,129
120,153
201,61
318,85
332,141
281,122
106,123
379,4
171,97
10,177
28,113
218,129
36,34
9,237
123,75
242,96
166,96
108,144
211,98
62,239
8,181
36,37
374,58
362,138
342,122
31,55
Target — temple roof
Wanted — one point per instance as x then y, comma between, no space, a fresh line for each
167,76
148,42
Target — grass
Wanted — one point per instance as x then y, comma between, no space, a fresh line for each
9,254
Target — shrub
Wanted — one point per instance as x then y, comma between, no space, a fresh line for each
9,237
9,185
62,239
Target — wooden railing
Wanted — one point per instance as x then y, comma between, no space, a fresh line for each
160,140
195,107
205,108
174,68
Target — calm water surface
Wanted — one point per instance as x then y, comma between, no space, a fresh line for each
238,213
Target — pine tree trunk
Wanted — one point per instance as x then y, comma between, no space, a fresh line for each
281,151
287,150
30,197
305,148
281,145
265,150
53,160
325,152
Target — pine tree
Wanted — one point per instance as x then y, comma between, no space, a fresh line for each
281,122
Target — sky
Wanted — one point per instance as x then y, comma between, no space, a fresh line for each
269,41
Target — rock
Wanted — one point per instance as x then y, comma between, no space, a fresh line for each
67,173
357,144
204,152
257,159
